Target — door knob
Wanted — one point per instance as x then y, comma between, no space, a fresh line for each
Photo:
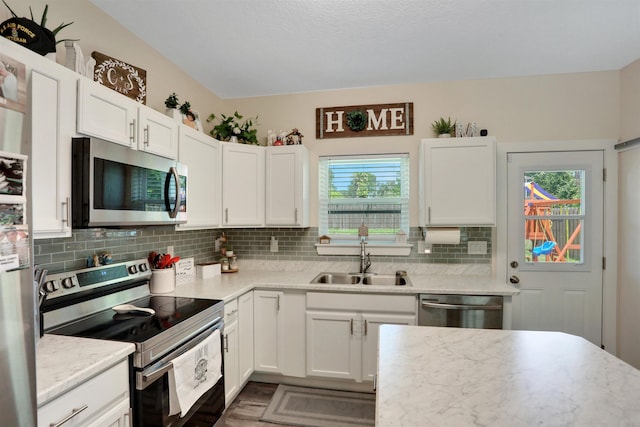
514,264
514,279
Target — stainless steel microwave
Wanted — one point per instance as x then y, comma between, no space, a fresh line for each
114,185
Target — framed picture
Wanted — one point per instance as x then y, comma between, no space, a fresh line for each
12,177
192,119
13,84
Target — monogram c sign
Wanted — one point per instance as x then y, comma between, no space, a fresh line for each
364,120
123,78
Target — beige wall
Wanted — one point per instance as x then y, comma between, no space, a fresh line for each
555,107
97,31
630,101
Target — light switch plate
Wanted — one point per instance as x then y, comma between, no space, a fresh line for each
477,248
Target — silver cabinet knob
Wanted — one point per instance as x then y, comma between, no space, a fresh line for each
514,279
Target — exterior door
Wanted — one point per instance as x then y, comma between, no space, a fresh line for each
555,241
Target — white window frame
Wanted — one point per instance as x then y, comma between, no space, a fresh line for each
323,199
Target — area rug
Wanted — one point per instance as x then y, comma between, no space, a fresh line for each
314,407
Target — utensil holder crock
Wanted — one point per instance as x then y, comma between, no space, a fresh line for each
163,280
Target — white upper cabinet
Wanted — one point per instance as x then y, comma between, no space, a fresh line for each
203,157
157,133
106,114
242,185
287,186
457,182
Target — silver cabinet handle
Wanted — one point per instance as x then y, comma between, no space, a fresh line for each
146,135
67,205
226,215
351,325
459,306
365,328
132,131
74,412
429,215
226,343
295,216
375,382
278,301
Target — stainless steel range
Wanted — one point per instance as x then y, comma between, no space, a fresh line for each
80,303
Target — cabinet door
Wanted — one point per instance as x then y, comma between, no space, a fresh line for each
268,327
333,344
157,133
118,416
203,157
458,181
53,112
231,376
242,185
287,182
106,114
245,336
370,332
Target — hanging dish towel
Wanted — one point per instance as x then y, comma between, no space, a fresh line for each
194,373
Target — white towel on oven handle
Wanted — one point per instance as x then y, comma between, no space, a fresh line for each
194,373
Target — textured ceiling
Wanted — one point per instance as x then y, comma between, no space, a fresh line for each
243,48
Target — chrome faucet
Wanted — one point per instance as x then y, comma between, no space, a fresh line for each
365,259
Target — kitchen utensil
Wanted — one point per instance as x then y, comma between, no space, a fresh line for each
130,308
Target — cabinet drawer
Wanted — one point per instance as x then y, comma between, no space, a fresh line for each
230,311
367,302
99,394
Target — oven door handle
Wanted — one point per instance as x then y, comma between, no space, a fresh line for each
151,374
446,306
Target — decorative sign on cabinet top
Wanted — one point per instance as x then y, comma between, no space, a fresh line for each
122,77
364,120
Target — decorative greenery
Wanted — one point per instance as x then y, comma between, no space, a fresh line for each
443,126
357,120
43,21
233,126
171,101
185,108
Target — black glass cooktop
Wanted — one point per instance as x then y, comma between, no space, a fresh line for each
137,327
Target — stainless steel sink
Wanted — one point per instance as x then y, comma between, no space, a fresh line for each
337,278
361,279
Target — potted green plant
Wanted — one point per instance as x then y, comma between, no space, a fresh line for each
232,128
33,35
443,128
172,106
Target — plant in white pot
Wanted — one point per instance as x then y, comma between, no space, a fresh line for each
443,128
172,106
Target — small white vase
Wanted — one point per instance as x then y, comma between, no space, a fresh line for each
444,135
174,113
233,139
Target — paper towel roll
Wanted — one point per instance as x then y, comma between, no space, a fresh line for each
443,235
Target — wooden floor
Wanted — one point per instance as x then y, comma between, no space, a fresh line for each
249,405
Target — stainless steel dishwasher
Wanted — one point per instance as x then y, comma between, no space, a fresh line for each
461,311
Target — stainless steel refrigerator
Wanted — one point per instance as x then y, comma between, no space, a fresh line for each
18,332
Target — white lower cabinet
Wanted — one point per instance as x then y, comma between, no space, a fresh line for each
230,347
238,344
102,401
342,331
279,332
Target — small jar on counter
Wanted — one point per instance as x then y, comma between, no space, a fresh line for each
233,263
225,264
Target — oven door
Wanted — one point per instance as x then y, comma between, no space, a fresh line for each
151,393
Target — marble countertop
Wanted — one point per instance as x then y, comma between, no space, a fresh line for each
63,363
476,377
231,285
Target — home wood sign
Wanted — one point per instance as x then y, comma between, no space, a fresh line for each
365,120
122,77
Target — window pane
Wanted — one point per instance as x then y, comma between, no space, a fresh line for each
365,190
554,216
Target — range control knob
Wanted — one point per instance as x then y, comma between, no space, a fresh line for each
67,283
142,267
50,286
133,269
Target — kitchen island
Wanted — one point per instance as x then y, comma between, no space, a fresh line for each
473,377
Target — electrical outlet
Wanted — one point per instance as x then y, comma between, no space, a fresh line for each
170,249
477,248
